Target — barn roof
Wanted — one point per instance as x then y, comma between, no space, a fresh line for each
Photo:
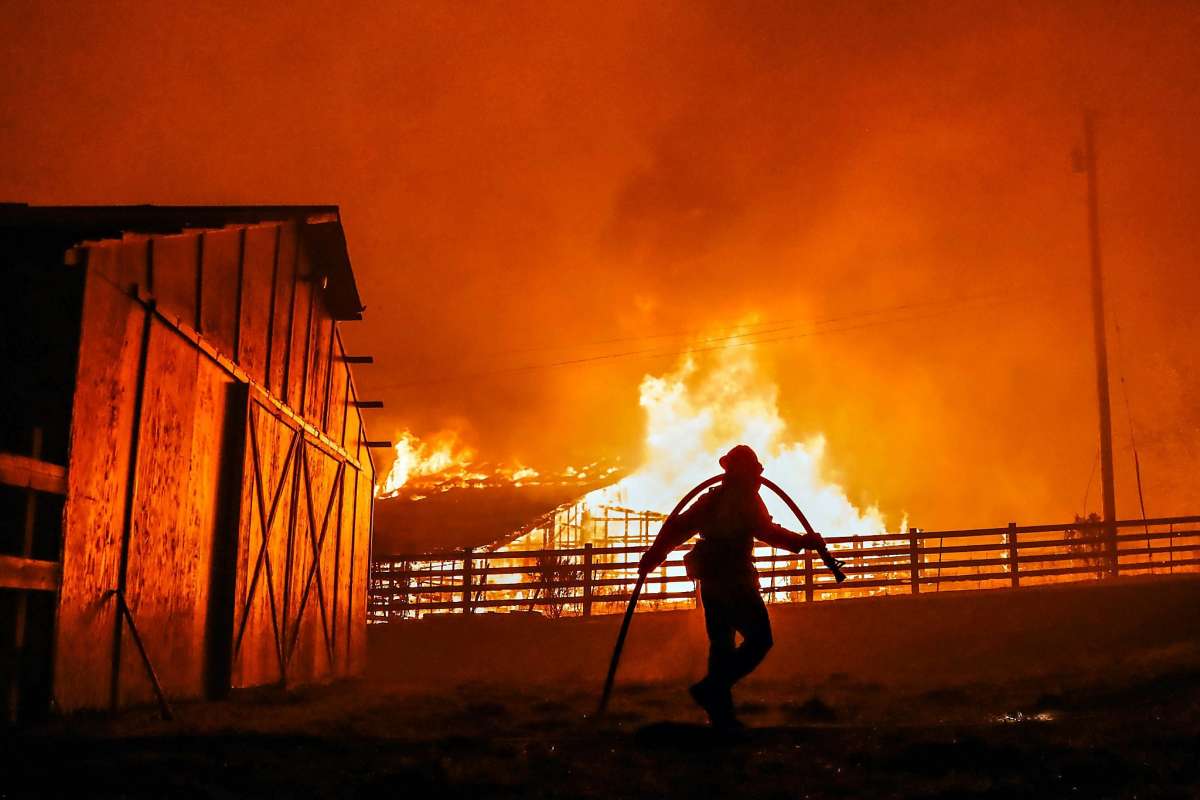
320,225
466,517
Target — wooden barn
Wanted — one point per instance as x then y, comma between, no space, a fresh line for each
185,481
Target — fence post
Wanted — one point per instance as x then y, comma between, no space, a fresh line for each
587,579
409,600
1171,550
914,562
1110,535
1013,563
466,587
808,576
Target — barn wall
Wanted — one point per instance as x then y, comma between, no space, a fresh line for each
280,331
239,345
259,247
101,433
292,564
174,539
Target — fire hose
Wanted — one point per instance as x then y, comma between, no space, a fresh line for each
834,565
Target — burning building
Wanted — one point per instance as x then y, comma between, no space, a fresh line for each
187,481
693,415
580,558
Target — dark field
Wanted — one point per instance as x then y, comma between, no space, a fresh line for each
1088,690
1128,732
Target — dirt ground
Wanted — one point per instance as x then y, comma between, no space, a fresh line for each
1128,729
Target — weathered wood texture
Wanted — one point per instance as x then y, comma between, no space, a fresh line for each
286,255
174,534
28,573
258,275
174,275
301,335
339,382
101,430
292,566
294,532
318,369
220,286
30,473
361,555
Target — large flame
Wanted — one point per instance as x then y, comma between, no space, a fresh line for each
694,416
415,458
440,462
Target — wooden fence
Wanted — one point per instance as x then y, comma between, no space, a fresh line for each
590,580
30,573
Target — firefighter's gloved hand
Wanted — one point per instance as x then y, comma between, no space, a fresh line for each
647,563
814,541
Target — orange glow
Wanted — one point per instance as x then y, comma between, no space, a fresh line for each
443,456
442,462
694,415
531,189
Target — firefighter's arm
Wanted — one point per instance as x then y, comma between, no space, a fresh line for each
772,533
780,537
675,531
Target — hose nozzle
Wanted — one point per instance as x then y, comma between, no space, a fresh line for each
833,564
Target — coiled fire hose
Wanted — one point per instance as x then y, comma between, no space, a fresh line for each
834,565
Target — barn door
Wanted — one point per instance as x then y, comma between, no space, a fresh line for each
285,627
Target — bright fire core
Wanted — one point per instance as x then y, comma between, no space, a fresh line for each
693,415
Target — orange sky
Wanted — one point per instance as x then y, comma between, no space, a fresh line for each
520,180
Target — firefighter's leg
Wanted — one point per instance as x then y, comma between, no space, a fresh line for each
748,615
718,622
712,692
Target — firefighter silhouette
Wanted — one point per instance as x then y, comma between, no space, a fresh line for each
728,518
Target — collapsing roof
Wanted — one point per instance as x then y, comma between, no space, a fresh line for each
320,225
466,517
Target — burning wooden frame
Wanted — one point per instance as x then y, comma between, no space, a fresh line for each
402,586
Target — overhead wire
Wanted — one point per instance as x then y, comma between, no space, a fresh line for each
745,328
741,329
658,352
730,341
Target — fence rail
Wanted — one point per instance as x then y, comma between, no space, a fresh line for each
590,580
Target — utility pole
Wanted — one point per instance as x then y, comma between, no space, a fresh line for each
1106,455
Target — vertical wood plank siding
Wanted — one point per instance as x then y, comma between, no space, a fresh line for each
302,286
294,532
219,268
175,276
258,272
281,320
99,460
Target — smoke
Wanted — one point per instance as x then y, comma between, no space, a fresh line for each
520,181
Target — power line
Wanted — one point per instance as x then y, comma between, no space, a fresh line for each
740,329
744,329
657,352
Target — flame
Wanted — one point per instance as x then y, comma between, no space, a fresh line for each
444,455
693,417
442,462
522,474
